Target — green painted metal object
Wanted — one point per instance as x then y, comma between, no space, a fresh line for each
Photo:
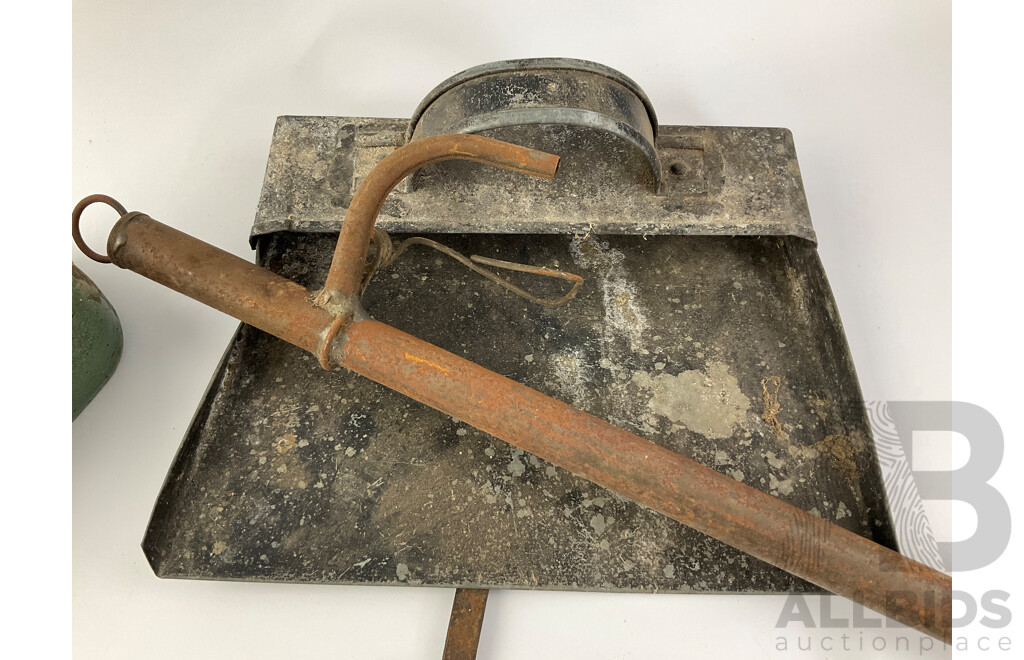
96,340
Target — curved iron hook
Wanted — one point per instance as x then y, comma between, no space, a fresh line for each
346,274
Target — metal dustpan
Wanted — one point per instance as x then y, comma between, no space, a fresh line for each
704,323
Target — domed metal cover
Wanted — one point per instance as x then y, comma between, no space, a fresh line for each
597,120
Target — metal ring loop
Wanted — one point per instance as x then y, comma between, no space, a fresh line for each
76,217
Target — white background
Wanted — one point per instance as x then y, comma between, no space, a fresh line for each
173,108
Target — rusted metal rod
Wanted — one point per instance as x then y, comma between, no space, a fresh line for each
465,624
680,488
346,274
219,279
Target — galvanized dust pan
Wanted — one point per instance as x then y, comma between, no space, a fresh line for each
704,324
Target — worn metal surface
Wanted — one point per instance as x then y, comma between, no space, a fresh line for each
386,253
706,401
528,67
673,485
96,340
615,156
347,274
220,279
601,118
465,623
406,494
292,473
718,181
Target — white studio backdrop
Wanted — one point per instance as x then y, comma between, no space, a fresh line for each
173,108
